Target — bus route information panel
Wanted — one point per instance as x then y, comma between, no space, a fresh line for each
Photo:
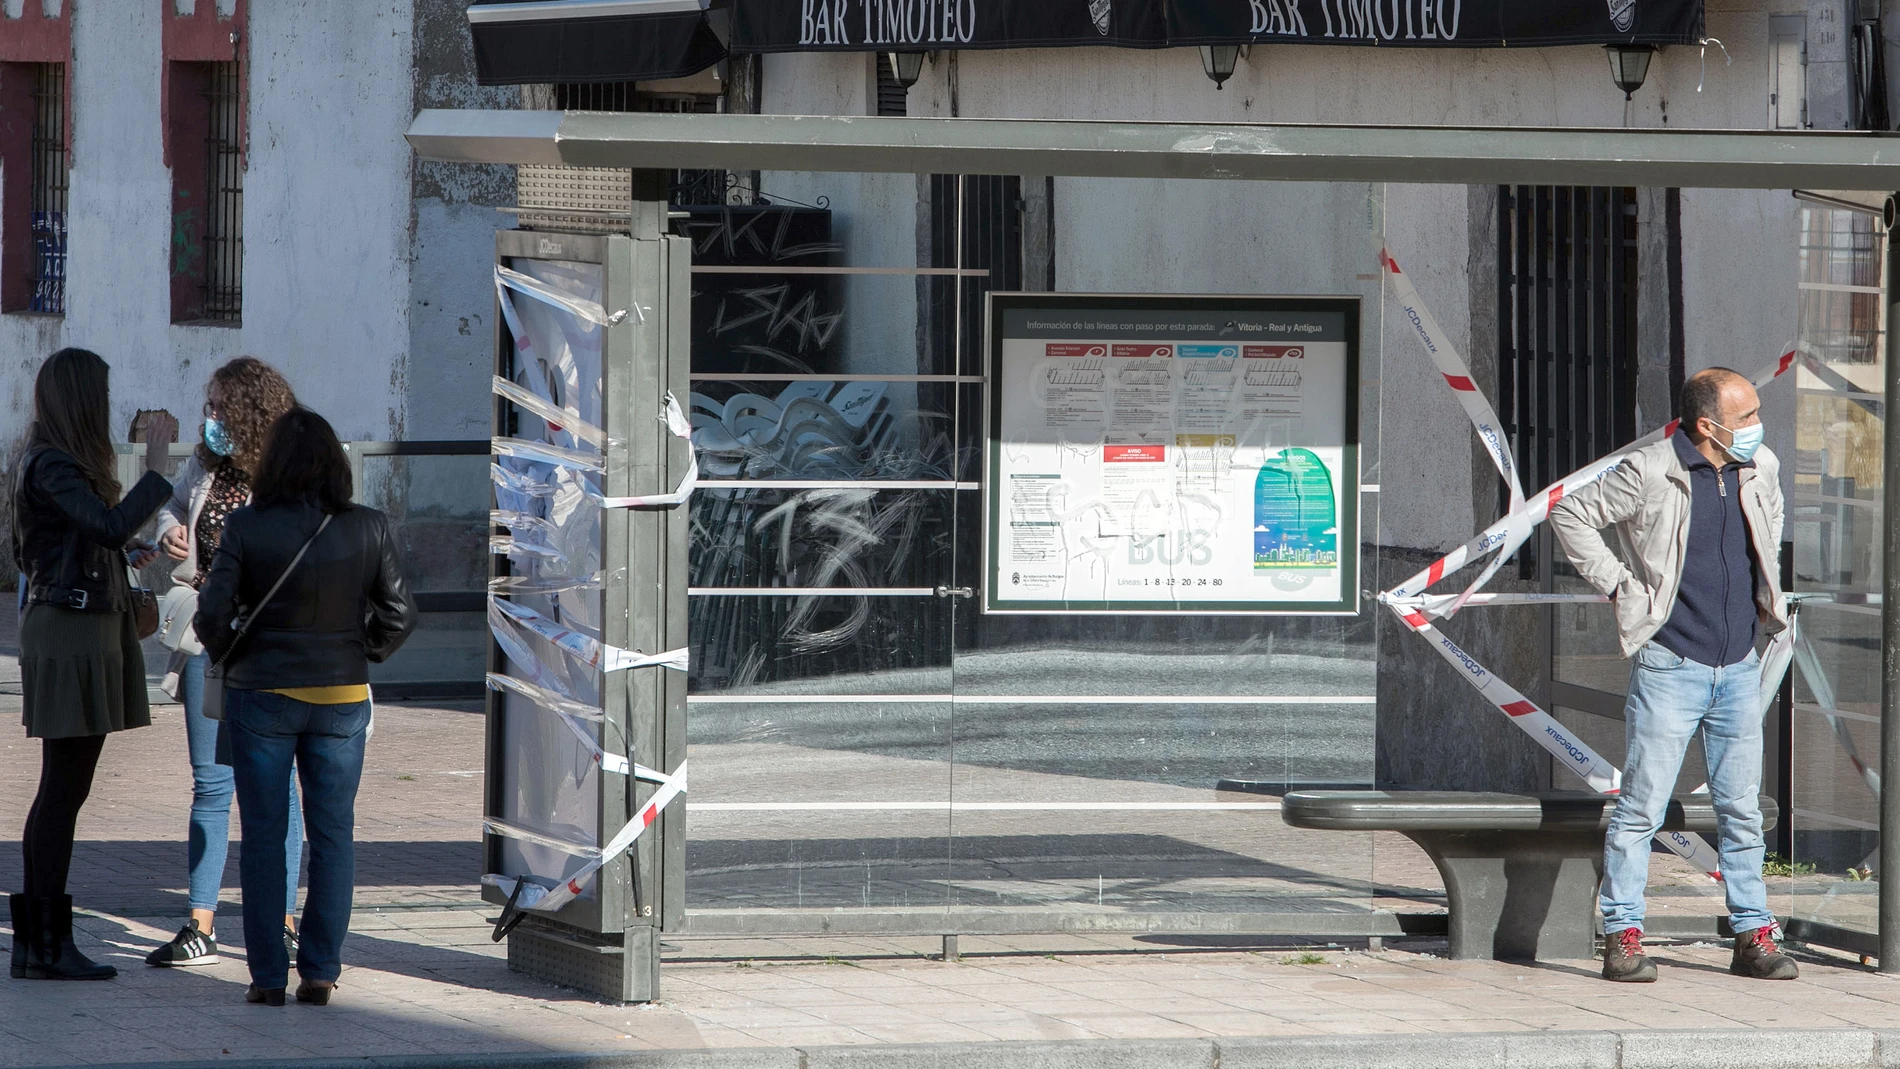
1155,454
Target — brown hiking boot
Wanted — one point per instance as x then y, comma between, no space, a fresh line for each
1623,958
1757,955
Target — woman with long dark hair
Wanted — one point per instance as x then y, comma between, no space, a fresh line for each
243,399
81,671
296,676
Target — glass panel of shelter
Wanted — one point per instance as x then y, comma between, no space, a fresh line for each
1834,520
1091,750
824,408
861,740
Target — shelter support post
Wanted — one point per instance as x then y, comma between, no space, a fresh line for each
1890,625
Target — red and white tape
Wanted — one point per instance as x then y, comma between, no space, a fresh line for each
543,899
1457,373
1410,603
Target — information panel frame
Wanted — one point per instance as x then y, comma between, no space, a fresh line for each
1293,577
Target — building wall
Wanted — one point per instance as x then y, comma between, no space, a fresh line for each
326,219
451,333
366,275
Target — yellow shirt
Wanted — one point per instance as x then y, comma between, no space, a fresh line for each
343,695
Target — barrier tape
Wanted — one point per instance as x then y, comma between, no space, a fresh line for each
527,357
543,453
1457,373
586,649
1509,533
558,419
571,713
526,894
678,425
553,584
547,294
508,546
540,452
1503,538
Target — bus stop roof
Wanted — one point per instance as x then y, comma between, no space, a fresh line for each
1733,159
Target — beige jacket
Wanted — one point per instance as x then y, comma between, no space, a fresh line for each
189,491
1645,500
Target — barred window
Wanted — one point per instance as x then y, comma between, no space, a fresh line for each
33,141
206,141
47,229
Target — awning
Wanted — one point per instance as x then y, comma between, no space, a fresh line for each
923,25
633,40
522,41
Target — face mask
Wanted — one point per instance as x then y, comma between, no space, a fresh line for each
217,439
1744,442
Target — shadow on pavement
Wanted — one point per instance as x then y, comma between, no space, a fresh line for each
141,878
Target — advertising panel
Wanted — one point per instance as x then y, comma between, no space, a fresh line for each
1156,454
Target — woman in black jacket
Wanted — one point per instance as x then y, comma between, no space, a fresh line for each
81,671
296,677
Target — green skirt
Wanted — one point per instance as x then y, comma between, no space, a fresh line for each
82,673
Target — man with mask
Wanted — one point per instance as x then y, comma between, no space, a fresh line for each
1694,580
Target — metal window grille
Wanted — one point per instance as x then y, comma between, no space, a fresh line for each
693,187
47,225
891,96
222,292
1567,358
976,222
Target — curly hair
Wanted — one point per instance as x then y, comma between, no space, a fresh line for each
256,396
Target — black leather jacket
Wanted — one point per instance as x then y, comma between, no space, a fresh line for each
344,606
69,546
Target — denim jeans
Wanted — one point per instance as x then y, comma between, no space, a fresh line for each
269,732
211,788
1669,698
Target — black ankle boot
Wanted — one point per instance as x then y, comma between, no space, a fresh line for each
21,909
52,954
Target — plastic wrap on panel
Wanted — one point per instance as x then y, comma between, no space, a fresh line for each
546,479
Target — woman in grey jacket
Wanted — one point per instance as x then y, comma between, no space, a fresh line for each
242,400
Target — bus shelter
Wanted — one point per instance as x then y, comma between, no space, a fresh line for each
892,613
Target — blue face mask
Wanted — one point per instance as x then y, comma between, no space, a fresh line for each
1743,442
217,439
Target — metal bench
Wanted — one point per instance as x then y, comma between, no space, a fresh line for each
1520,870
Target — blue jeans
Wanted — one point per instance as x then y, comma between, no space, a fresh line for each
269,732
1669,698
210,835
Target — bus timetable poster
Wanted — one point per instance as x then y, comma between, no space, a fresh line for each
1156,454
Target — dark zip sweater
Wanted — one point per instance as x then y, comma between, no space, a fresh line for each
1714,619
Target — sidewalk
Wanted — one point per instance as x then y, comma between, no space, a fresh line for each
428,984
424,985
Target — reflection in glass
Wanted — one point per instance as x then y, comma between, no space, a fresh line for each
786,323
843,644
1834,521
824,429
1585,647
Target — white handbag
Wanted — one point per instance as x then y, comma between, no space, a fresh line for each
175,611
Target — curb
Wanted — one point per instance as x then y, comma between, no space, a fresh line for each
1763,1048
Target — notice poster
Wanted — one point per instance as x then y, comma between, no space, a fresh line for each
1152,454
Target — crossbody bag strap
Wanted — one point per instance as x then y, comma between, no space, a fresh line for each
243,624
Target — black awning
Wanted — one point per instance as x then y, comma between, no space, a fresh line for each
522,41
635,40
923,25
